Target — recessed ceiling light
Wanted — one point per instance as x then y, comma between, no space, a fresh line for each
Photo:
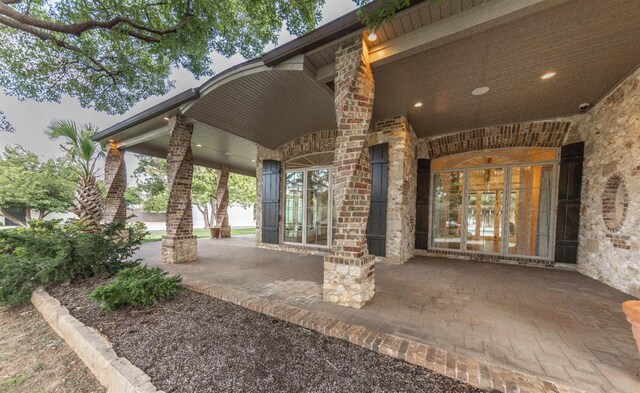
166,119
418,104
372,36
111,140
480,91
198,145
548,75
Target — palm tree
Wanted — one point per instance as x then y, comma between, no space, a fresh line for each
83,153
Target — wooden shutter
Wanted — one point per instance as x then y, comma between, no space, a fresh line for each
422,204
569,188
270,201
377,223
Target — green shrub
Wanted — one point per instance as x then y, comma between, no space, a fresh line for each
17,279
50,252
138,286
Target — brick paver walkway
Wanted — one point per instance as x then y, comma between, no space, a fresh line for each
554,324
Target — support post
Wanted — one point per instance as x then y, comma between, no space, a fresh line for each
222,198
115,179
179,245
349,269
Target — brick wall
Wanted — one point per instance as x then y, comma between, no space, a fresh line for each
115,180
401,194
610,253
527,134
179,245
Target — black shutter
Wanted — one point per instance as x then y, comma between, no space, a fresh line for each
270,201
377,223
422,204
569,188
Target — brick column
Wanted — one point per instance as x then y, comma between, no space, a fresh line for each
179,245
222,198
349,269
115,179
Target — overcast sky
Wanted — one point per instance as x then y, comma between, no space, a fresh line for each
31,118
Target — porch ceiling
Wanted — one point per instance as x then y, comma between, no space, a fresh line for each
590,44
211,147
268,106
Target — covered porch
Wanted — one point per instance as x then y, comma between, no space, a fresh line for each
558,325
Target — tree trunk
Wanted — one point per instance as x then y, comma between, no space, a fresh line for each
27,214
12,218
88,203
214,212
205,214
42,214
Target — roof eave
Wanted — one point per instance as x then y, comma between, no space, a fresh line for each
148,114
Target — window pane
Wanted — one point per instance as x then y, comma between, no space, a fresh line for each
530,210
293,207
484,210
318,207
446,219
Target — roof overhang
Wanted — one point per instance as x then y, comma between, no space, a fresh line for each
432,53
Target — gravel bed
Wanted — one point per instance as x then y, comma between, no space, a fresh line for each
196,343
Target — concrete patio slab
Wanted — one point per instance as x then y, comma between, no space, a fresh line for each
558,325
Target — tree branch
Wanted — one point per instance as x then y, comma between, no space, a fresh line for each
12,218
77,29
44,36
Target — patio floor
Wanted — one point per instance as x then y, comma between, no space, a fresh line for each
559,325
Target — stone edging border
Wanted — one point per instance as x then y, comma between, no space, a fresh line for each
460,367
115,373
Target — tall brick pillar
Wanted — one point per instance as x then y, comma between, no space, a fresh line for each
222,198
349,269
115,179
179,245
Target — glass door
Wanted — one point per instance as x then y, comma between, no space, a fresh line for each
307,216
484,210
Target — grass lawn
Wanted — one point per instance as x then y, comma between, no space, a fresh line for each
154,236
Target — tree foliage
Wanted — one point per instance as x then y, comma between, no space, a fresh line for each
382,11
111,54
84,154
5,125
28,182
151,179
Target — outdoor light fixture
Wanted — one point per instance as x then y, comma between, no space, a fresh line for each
372,36
480,91
166,119
198,145
548,75
417,104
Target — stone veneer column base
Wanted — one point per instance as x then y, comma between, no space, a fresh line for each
225,232
179,249
348,281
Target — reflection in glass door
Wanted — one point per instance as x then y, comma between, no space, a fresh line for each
317,207
294,207
307,218
484,210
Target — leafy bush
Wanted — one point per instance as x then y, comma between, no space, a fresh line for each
138,286
50,252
